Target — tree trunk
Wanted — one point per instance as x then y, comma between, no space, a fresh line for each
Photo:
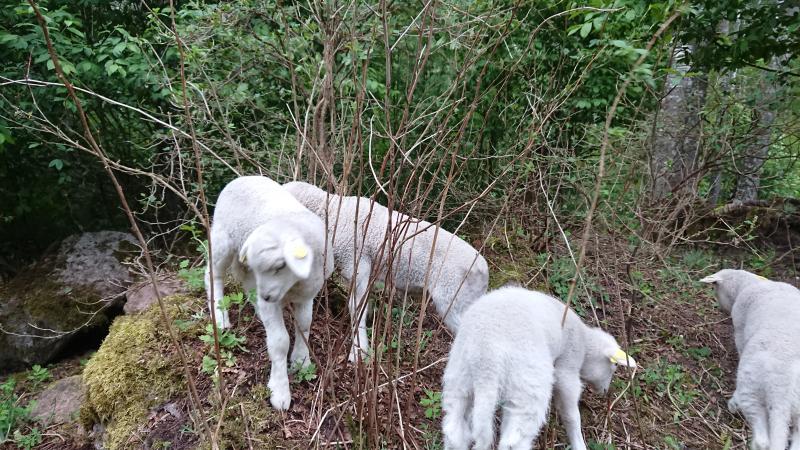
749,167
321,157
725,86
676,140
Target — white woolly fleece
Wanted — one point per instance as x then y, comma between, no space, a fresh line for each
279,250
512,351
358,227
766,325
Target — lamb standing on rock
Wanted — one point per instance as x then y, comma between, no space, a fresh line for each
766,326
512,350
278,249
455,272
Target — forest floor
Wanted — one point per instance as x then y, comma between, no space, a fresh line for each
652,303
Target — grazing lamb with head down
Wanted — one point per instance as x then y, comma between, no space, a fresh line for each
358,226
766,326
511,350
278,249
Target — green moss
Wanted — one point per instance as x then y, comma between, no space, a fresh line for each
72,312
503,275
133,371
36,289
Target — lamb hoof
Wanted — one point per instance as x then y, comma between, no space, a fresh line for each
356,354
280,400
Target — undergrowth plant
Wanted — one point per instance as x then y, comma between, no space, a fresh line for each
38,375
304,373
14,418
432,402
194,276
672,384
228,342
431,437
560,271
29,440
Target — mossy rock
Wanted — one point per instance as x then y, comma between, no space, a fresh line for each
68,293
135,370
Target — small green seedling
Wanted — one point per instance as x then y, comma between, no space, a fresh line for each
227,338
230,300
305,373
432,403
29,440
193,276
38,375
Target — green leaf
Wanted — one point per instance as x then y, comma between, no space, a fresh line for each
7,37
57,163
67,67
76,32
598,21
85,66
586,29
117,50
573,29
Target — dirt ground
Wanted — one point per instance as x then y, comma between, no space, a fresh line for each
668,321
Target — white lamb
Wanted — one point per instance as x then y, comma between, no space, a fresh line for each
455,273
511,350
276,248
766,325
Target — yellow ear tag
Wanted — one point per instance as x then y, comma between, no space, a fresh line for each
619,357
300,252
761,278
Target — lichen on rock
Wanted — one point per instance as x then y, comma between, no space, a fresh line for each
134,370
67,292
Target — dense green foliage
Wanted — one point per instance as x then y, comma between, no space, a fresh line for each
436,105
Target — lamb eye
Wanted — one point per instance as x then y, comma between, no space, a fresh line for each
277,269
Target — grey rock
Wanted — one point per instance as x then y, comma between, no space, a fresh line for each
174,410
141,295
60,402
70,291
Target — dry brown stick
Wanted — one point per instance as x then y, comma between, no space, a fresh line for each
89,136
206,223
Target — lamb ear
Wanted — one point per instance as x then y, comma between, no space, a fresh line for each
711,279
243,251
618,356
298,257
